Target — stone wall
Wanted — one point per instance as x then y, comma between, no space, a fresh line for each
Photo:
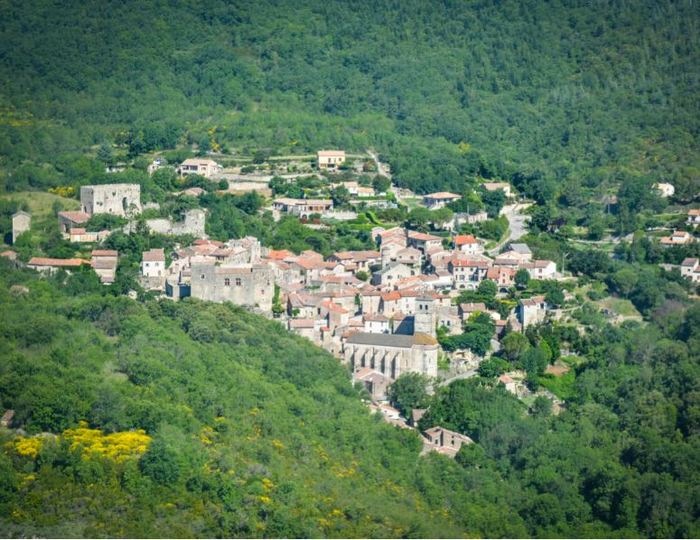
194,223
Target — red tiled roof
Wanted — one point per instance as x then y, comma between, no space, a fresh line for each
75,217
393,295
61,263
463,239
155,255
104,253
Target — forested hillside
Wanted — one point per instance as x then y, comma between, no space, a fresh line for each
574,92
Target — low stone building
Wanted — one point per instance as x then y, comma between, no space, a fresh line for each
392,354
302,208
375,382
495,186
49,265
444,441
104,262
690,269
68,220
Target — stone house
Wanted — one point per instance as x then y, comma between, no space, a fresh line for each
439,199
69,220
376,323
495,186
423,241
409,256
531,311
693,217
104,262
117,199
208,168
375,382
690,269
153,263
677,238
540,269
330,159
467,273
302,207
21,222
504,276
467,243
445,441
371,300
387,277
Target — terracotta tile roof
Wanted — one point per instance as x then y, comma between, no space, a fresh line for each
75,217
46,261
393,295
104,253
77,230
154,255
442,195
415,235
464,239
467,263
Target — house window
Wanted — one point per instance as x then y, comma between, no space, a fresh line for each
238,282
201,277
227,282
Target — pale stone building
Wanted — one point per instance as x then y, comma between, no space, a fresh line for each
208,168
495,186
104,262
392,354
245,285
21,222
117,199
532,311
330,159
444,441
440,199
68,220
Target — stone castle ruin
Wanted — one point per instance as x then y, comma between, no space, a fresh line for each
117,199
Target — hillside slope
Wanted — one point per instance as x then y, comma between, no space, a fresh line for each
445,90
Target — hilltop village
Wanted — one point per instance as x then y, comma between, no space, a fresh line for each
436,299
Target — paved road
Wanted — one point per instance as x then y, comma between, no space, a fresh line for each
517,225
380,166
466,375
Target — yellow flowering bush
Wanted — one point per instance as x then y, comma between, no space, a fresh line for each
118,446
27,446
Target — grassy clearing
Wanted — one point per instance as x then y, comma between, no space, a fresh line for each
562,387
41,204
620,306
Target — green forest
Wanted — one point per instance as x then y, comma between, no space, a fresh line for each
566,94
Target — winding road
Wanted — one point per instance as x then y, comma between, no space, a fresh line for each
517,225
